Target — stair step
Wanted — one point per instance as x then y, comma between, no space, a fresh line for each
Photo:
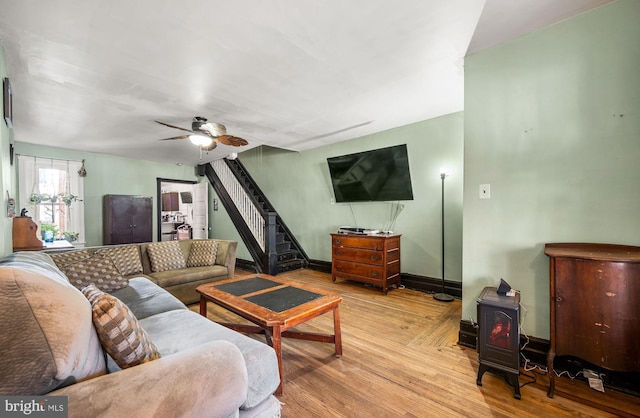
283,246
290,265
286,256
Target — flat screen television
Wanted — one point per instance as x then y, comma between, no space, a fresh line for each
372,176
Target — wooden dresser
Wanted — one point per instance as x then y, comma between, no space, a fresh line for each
373,259
594,312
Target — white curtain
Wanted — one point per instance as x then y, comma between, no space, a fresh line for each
53,177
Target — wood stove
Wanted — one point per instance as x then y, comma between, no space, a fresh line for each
499,335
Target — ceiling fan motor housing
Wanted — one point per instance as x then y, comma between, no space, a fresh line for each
198,121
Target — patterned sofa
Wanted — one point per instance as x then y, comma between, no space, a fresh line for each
177,266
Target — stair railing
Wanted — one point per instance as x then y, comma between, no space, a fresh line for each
252,216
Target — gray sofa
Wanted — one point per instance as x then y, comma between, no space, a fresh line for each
49,346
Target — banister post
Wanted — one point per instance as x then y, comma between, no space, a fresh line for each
270,244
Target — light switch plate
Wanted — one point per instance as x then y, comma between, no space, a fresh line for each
485,191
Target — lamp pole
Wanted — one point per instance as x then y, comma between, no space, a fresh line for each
442,296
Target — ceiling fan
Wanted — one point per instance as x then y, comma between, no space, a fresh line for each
206,135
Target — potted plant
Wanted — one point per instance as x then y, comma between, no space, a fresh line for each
68,199
70,236
48,231
37,198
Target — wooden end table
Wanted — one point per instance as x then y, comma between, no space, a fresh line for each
274,306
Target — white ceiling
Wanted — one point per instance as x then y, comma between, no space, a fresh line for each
93,75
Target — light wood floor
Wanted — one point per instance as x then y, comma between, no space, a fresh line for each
401,359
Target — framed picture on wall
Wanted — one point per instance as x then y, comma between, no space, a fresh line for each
8,102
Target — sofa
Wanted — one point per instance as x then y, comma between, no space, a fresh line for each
171,269
55,339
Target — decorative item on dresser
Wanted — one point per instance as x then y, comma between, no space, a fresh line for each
372,259
595,315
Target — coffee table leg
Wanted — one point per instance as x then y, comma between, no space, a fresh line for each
203,306
336,331
276,343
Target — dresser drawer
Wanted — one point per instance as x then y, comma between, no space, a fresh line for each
358,255
358,242
358,269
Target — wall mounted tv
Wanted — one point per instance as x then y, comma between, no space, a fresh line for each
372,176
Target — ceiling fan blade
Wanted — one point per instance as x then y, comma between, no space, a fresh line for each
174,137
173,126
211,147
234,141
213,129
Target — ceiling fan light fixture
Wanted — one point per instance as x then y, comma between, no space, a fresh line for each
200,140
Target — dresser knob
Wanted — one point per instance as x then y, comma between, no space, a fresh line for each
373,257
374,274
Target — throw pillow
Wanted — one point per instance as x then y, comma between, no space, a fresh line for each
66,257
119,332
126,259
202,253
97,269
165,256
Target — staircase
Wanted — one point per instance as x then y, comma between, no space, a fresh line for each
266,236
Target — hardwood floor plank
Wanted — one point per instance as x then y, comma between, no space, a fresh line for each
401,359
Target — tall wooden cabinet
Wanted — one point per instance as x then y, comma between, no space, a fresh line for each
594,312
127,219
373,259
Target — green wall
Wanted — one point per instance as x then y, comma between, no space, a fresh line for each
552,122
112,175
298,185
7,174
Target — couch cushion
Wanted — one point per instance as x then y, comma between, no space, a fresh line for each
175,331
118,330
186,275
126,259
145,298
47,339
165,256
202,253
97,269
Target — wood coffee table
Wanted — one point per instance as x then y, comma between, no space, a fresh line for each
274,306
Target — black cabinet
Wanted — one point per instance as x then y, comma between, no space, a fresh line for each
127,219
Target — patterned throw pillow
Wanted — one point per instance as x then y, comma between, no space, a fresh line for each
97,269
165,256
202,253
64,258
118,330
126,259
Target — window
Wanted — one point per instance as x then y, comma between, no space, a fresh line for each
52,192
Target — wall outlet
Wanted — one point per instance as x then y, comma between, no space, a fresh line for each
485,191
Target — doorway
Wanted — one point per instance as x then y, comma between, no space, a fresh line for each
182,209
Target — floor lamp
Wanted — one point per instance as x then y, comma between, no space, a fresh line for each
442,296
